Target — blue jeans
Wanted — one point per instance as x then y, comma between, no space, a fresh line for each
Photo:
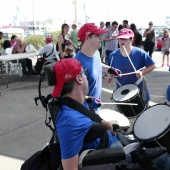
162,162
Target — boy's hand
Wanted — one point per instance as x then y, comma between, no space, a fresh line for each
115,72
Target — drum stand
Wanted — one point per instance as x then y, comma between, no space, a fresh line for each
161,146
131,121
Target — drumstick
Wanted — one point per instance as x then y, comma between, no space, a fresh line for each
121,103
130,72
129,58
111,62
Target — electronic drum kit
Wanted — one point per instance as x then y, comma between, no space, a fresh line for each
150,126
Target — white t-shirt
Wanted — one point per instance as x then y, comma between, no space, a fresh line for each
47,49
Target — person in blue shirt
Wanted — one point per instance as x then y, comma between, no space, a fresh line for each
90,36
71,125
168,95
142,63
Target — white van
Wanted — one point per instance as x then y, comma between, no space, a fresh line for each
8,32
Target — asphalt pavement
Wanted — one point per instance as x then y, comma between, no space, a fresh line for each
22,127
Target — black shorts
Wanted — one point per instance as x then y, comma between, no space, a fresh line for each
166,52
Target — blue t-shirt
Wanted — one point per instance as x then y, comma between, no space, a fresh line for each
94,75
168,93
139,59
72,126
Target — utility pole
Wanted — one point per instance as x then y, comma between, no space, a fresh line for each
75,11
33,16
75,3
85,13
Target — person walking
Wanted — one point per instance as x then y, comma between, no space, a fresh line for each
165,47
111,42
149,42
64,45
100,49
125,24
103,54
74,38
137,40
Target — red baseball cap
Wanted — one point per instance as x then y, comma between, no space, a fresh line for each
48,40
89,28
125,33
65,70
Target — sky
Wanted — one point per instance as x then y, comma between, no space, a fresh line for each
140,12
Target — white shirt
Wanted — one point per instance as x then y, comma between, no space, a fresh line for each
47,49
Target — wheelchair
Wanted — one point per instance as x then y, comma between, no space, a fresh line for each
42,62
107,158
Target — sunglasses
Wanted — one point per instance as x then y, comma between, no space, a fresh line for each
85,71
150,24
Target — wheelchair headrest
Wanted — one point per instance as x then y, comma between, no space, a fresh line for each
50,74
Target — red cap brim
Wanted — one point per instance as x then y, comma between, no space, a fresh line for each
100,31
123,36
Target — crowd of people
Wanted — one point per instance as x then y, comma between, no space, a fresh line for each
73,44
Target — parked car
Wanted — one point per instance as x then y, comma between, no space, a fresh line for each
159,43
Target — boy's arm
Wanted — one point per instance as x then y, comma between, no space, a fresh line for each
71,163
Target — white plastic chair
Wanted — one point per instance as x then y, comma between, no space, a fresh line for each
30,48
8,51
13,66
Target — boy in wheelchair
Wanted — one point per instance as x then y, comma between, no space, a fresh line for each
78,131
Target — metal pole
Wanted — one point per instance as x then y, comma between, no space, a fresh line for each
85,13
75,4
33,16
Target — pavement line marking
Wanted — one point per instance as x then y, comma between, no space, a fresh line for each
158,96
8,163
111,91
107,90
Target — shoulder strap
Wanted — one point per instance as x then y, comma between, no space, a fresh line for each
118,82
101,130
79,107
51,52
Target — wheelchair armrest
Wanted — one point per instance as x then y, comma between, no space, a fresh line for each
104,156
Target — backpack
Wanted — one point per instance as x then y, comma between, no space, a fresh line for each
39,64
47,159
